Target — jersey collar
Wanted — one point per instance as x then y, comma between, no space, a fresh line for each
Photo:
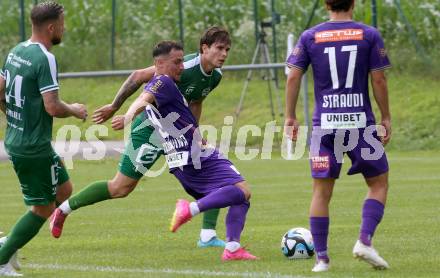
201,68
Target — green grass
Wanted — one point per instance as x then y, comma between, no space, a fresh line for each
131,235
414,104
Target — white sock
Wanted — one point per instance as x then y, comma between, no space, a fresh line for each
207,234
65,207
194,208
232,246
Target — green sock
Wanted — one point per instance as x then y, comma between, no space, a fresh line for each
23,231
93,193
210,219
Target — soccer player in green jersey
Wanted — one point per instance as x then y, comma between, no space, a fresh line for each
200,76
29,98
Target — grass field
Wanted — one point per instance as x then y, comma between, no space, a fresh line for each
130,237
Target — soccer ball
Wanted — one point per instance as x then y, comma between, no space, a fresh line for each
297,243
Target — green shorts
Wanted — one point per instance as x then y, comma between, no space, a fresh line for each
39,178
141,151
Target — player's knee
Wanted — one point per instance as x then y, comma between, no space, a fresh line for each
322,195
378,184
64,191
379,188
248,196
246,190
44,211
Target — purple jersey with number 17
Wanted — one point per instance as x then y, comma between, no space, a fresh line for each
341,54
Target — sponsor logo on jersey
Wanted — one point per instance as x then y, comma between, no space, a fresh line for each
15,126
296,51
177,159
320,163
339,35
206,91
343,120
17,61
9,59
156,86
171,144
13,114
190,89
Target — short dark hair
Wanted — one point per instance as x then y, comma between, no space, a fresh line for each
339,5
46,11
214,34
165,47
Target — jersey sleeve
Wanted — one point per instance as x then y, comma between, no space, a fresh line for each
378,59
160,89
47,74
299,58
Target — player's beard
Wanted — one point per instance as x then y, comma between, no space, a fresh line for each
56,40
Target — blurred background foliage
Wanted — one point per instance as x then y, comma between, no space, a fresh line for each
139,24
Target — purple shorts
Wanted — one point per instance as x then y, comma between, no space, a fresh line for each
215,173
362,146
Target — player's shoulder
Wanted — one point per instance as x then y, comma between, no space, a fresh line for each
309,33
370,33
37,52
164,78
365,26
370,30
160,82
217,73
191,60
190,56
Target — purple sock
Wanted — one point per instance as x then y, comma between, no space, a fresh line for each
372,214
224,197
319,228
235,221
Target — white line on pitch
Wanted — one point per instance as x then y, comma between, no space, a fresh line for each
91,268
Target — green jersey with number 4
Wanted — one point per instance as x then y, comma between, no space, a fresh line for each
30,70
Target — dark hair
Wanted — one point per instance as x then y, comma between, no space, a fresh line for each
339,5
165,47
214,34
46,11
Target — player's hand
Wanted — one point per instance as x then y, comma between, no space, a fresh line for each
385,138
79,111
103,113
291,127
118,122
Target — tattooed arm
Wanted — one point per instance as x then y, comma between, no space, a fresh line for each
131,85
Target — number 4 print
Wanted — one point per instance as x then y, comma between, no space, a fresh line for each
14,90
331,51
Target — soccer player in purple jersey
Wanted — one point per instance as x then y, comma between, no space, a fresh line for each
343,53
212,180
